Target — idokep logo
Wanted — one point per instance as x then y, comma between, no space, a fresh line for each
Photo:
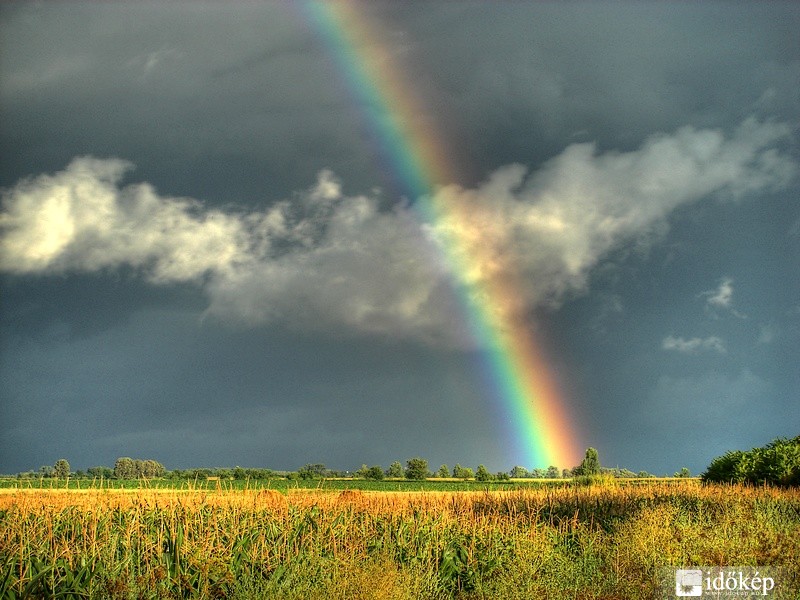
721,582
689,582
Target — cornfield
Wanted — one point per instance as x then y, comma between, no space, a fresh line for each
598,542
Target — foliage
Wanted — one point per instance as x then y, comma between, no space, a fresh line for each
375,473
460,472
313,471
519,472
61,468
595,542
777,463
395,470
684,472
128,468
417,469
482,474
443,472
590,464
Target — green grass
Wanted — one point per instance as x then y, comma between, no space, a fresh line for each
579,542
282,484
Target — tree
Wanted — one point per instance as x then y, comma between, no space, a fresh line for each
590,465
519,472
482,474
417,468
684,472
99,472
443,472
61,468
462,472
362,472
395,470
552,472
566,473
375,473
315,471
125,468
151,468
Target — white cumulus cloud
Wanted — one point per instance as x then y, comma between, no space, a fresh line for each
325,259
693,345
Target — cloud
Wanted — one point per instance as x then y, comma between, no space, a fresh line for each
722,298
766,335
323,259
691,346
81,220
550,228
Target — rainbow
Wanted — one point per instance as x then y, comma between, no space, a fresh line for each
412,151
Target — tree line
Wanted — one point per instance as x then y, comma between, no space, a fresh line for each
415,469
777,463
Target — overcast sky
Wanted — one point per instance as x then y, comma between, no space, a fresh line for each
203,262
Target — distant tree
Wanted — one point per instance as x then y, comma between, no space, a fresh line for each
151,468
45,471
462,472
552,472
519,472
623,473
375,473
644,474
502,476
590,464
538,473
315,471
362,472
566,473
61,468
684,472
125,468
482,474
395,470
443,472
417,468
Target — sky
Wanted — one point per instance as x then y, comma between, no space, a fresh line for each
205,260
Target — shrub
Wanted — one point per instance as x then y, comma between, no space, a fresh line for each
777,463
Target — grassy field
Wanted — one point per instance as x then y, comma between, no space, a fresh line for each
282,484
565,541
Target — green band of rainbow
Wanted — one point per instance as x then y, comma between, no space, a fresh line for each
412,150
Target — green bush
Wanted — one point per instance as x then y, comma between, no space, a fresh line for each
777,463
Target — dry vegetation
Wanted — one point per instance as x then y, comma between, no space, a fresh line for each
566,542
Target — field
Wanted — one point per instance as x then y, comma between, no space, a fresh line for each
602,542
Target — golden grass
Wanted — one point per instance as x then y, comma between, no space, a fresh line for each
598,541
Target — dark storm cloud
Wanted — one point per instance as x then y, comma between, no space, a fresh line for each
240,107
198,96
513,82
